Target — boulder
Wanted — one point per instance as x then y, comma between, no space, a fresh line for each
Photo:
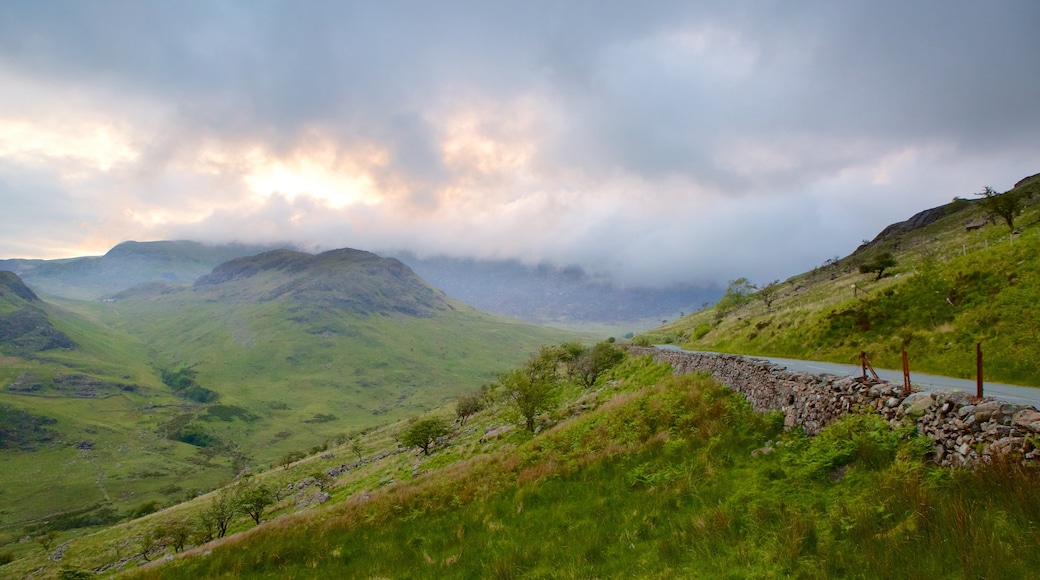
918,402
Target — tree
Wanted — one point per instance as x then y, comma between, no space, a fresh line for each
47,540
1003,206
768,293
173,532
529,393
738,293
356,448
218,515
253,498
879,265
423,432
322,479
467,406
594,362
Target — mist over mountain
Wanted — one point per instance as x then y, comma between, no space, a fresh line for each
544,293
548,294
126,265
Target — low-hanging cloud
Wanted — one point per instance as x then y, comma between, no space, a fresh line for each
653,143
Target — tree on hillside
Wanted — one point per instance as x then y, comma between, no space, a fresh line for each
174,532
356,448
532,388
768,293
467,406
1004,206
879,265
588,367
218,515
253,498
424,432
738,293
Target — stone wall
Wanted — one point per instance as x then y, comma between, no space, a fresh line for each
964,430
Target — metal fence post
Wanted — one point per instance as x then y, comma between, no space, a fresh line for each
978,369
906,373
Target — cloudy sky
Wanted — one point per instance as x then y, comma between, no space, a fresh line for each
652,141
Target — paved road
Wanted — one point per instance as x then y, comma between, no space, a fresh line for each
1010,393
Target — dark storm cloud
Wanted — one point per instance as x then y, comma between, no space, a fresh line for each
651,118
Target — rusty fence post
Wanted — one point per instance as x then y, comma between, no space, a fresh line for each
906,372
978,369
867,367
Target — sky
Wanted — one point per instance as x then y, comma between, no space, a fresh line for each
650,142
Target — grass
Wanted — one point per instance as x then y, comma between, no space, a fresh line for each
949,290
664,477
663,482
290,385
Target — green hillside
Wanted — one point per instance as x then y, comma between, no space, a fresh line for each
949,288
168,388
643,474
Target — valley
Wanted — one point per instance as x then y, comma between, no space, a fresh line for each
273,355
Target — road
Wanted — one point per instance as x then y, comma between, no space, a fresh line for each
1010,393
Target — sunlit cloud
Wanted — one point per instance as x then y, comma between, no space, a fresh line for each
321,169
96,146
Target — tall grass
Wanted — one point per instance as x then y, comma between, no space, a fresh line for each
663,482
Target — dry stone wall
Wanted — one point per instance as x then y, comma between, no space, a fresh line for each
964,430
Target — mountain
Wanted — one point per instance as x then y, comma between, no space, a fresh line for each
939,283
126,265
548,294
542,294
169,387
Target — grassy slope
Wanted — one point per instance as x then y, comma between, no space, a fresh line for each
659,481
950,289
288,389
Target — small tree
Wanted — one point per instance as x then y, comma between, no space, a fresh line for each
738,293
47,540
529,394
424,432
173,532
253,498
1005,206
768,293
218,515
322,479
467,406
356,448
879,265
594,362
